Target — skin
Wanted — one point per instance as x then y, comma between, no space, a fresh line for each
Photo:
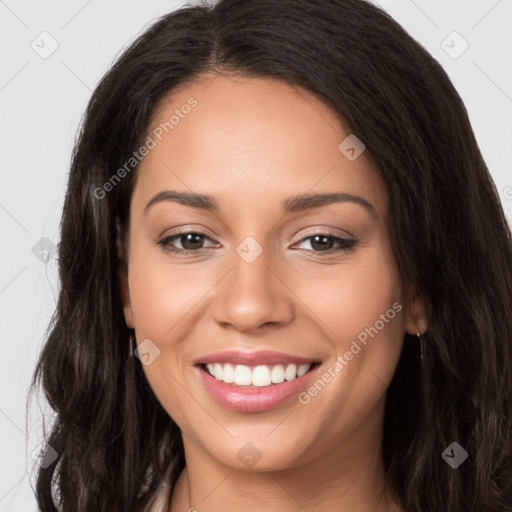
253,143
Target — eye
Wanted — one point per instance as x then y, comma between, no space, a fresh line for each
190,241
324,242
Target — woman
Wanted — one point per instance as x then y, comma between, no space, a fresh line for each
286,277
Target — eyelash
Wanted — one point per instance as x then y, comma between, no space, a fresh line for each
345,243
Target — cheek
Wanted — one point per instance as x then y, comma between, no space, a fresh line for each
160,315
354,295
166,302
360,305
157,302
162,295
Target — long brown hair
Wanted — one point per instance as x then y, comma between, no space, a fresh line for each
450,237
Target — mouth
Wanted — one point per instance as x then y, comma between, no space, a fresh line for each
260,376
254,382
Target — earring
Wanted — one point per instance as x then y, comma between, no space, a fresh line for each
421,344
131,341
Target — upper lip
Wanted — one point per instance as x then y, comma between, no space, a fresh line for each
253,358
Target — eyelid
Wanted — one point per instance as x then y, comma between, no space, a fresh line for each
183,230
324,231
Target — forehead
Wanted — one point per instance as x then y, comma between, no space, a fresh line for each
251,139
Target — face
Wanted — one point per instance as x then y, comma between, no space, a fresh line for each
293,302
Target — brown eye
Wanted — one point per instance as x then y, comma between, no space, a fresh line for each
190,242
326,243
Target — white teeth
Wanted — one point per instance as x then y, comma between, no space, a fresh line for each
217,370
277,374
242,375
259,376
228,373
291,372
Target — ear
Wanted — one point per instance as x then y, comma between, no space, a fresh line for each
416,318
122,279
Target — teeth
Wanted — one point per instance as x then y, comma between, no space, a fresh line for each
228,373
291,372
242,375
277,374
217,371
259,376
303,369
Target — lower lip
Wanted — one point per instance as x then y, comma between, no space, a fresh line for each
243,399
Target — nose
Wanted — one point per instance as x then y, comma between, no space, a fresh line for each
253,295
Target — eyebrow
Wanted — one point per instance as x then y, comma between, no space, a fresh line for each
291,205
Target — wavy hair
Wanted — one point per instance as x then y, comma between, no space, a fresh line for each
115,442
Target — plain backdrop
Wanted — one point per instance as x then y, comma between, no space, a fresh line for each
42,98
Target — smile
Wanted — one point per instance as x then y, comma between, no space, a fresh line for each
257,376
254,381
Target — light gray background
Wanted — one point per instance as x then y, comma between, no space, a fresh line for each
41,103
